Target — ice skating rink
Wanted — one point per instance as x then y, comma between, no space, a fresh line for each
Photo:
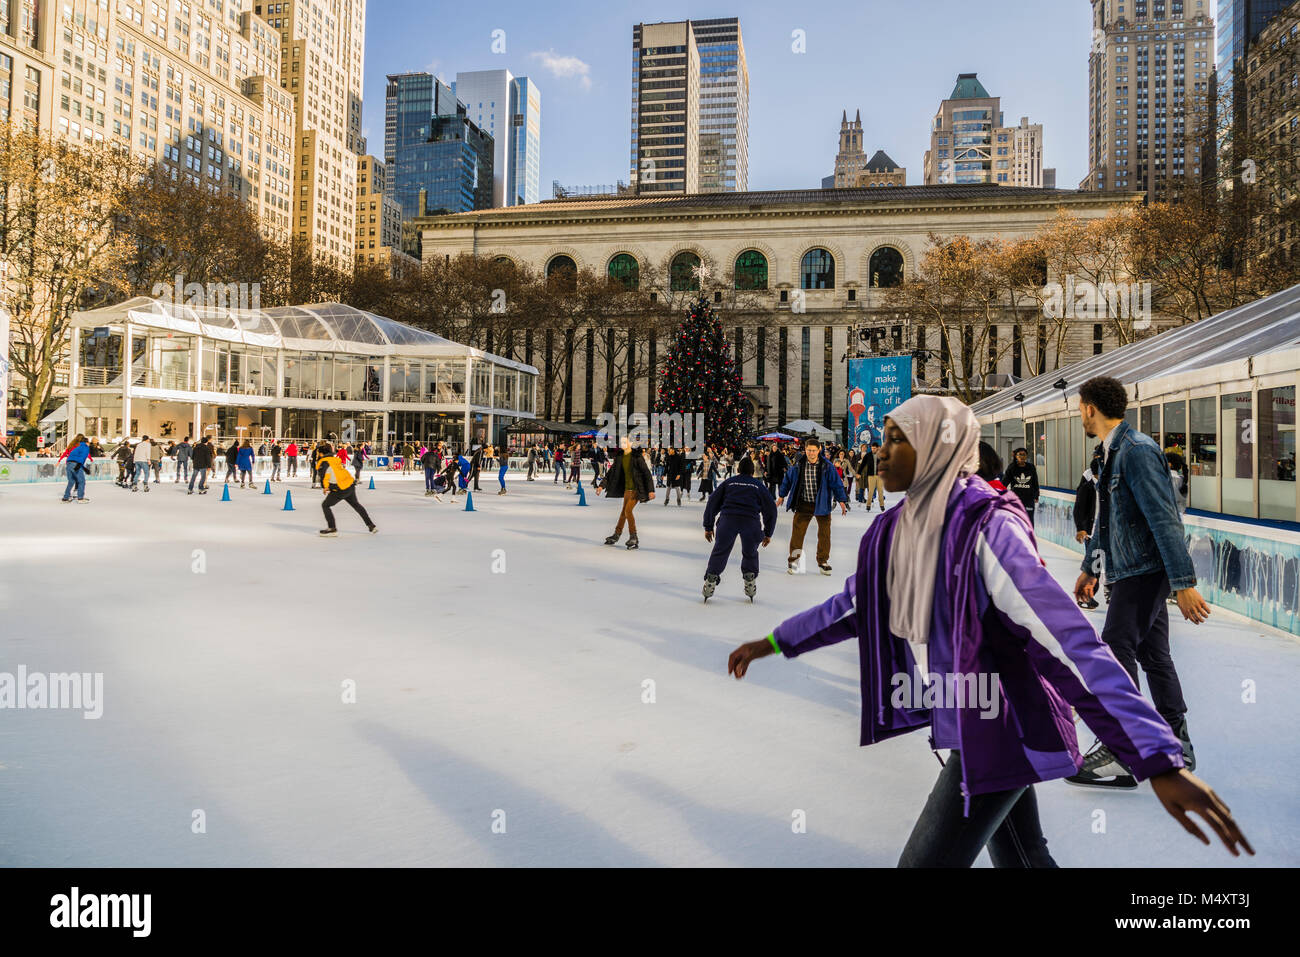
523,696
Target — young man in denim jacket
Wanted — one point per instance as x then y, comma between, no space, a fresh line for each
1137,542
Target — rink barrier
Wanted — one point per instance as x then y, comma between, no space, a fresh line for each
1250,569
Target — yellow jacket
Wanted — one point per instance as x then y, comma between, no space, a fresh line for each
334,466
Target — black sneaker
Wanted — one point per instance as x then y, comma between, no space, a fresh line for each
326,532
710,585
1180,730
1101,769
751,584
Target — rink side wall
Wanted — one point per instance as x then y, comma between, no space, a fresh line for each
1251,569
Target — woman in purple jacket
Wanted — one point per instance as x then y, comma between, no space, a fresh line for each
964,631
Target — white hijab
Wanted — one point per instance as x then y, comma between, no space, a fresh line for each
946,436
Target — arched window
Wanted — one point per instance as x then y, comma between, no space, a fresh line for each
504,261
751,270
683,273
626,270
817,270
886,268
562,269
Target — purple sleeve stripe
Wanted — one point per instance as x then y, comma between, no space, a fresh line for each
1068,651
833,621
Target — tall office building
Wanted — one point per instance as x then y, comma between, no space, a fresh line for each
1240,23
435,154
192,88
27,59
852,165
509,109
724,106
322,53
666,108
379,219
971,143
1149,77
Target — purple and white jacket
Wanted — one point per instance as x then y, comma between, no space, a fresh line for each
998,612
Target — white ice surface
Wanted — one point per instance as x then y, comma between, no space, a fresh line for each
519,692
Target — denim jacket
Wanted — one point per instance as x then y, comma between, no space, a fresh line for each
1139,530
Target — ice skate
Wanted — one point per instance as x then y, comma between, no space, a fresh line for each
613,539
792,563
1180,731
372,529
327,532
1101,769
751,584
825,567
633,543
710,585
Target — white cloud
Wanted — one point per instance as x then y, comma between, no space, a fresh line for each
565,66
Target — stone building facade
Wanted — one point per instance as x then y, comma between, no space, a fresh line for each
815,269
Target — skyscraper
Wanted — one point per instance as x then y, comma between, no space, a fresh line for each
666,108
322,52
432,148
1240,23
724,106
1149,77
509,109
194,89
971,143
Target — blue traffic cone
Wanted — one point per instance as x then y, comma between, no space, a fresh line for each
225,492
288,501
372,483
267,490
582,496
469,502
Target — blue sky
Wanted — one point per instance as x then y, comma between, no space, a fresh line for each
893,61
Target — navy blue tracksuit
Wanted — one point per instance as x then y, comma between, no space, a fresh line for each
742,506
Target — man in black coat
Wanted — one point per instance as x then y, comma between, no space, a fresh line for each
777,465
201,459
678,473
628,478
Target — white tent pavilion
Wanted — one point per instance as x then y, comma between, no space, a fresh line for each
302,372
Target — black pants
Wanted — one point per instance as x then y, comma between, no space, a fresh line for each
1137,632
1006,822
349,495
728,527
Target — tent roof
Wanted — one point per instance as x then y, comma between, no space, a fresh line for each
321,327
1266,325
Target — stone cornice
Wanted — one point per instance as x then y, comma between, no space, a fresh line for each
547,215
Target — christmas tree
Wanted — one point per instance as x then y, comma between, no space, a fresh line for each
700,376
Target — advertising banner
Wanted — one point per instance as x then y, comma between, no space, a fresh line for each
877,386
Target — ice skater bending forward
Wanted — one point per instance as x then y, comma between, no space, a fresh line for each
742,506
331,470
950,590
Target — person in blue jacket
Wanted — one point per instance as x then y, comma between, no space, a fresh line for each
77,452
811,484
742,506
245,459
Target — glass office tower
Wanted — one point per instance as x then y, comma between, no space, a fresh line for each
509,109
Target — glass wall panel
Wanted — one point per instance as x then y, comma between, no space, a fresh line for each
482,393
1047,473
1151,422
1276,438
1237,430
504,390
1175,423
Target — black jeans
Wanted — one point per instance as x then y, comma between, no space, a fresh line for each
349,495
1006,822
1137,632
